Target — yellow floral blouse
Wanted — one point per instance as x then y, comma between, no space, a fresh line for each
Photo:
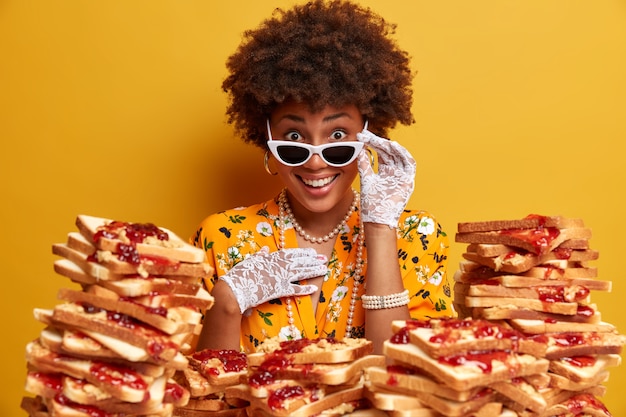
229,236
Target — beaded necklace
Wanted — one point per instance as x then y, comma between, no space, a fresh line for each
285,216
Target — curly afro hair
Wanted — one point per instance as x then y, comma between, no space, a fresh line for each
320,53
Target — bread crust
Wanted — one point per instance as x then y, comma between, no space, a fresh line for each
91,227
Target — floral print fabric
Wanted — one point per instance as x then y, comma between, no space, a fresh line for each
229,236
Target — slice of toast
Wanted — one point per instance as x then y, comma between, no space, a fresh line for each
123,264
570,344
449,336
160,346
168,320
521,392
147,238
515,261
319,373
470,370
581,369
219,367
584,314
118,381
301,351
531,221
538,241
554,326
410,380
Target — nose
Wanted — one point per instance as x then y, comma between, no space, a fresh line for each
315,162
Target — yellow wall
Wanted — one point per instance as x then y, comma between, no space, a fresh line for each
114,108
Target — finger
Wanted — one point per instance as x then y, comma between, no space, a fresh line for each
295,253
308,272
389,152
303,289
364,164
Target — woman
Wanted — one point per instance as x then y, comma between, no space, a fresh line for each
309,86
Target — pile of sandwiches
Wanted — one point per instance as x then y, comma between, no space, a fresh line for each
535,276
113,344
528,342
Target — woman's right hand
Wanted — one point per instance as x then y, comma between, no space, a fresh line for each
264,276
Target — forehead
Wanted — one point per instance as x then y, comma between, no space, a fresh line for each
301,112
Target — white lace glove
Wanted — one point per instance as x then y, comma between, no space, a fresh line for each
384,194
264,276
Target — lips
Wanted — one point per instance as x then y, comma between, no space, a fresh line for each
320,182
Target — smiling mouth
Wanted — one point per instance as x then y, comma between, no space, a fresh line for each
318,182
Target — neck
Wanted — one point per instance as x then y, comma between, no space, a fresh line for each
320,227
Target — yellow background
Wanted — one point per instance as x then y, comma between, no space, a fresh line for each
114,108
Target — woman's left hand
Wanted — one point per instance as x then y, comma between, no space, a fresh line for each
384,194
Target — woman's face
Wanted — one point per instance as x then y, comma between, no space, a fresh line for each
315,185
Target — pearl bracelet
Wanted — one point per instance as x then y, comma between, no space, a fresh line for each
376,302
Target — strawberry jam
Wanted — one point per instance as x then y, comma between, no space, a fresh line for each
135,232
277,398
483,360
88,410
232,360
118,376
582,361
539,238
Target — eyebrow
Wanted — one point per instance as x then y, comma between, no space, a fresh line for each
326,119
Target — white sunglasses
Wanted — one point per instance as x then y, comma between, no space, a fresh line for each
294,154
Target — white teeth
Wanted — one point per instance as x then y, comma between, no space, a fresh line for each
318,183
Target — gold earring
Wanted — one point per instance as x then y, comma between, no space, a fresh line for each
266,164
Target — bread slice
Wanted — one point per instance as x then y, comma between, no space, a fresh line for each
409,380
219,367
515,261
452,408
582,369
296,400
571,344
168,320
537,305
545,293
147,238
532,221
320,373
489,277
535,240
121,264
560,382
449,336
473,369
160,346
521,392
553,326
584,314
118,381
389,400
301,351
583,404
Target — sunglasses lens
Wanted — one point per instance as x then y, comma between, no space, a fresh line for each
338,155
292,154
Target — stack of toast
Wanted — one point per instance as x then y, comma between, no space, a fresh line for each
535,275
306,377
113,344
209,373
459,368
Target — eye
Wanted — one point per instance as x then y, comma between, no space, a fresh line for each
293,135
338,135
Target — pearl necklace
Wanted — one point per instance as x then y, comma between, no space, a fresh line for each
286,208
283,207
